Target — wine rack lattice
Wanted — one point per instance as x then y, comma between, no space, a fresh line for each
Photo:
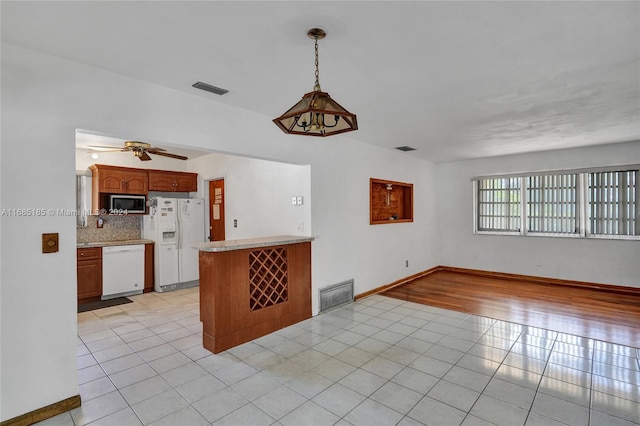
268,282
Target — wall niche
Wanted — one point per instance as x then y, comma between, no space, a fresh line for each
390,201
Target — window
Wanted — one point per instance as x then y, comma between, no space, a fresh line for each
594,203
499,204
613,203
552,204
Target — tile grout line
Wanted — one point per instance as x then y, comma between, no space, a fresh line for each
494,373
355,323
546,364
118,389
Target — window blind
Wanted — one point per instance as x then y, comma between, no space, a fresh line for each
613,203
499,204
552,204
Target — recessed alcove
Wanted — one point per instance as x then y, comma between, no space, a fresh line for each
390,201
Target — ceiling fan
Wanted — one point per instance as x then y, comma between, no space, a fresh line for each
140,150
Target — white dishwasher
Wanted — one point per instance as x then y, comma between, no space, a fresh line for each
122,270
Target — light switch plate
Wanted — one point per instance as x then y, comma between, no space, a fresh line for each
50,243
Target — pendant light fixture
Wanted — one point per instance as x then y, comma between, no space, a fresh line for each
317,114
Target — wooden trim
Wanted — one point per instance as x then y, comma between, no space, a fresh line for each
149,267
44,413
545,280
395,283
503,275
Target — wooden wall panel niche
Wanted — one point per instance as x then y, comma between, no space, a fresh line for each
390,201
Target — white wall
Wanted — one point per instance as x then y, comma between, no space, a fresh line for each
593,260
45,99
258,195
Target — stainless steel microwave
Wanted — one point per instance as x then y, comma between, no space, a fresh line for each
126,204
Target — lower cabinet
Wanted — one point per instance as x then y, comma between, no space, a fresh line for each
89,269
149,276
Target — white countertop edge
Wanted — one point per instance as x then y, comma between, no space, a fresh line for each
228,245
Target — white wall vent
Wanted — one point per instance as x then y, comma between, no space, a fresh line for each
336,295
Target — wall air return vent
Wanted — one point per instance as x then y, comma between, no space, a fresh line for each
336,295
405,148
209,88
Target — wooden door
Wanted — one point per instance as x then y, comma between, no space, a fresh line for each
216,210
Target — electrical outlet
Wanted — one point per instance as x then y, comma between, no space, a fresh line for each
235,223
406,263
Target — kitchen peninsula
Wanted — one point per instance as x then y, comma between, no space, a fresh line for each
252,287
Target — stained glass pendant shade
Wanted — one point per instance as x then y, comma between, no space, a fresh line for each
316,114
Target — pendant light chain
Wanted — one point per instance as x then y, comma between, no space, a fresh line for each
316,87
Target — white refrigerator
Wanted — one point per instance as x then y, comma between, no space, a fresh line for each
174,224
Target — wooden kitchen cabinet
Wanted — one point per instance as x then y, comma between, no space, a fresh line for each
169,181
119,180
89,270
108,180
149,277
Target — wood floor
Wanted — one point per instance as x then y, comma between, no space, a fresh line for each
601,315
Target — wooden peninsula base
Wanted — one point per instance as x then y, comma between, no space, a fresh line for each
250,288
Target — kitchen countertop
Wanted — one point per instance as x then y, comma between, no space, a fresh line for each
112,243
228,245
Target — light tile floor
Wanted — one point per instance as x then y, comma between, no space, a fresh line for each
375,362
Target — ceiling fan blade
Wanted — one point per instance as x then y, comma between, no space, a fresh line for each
155,150
106,148
144,156
176,156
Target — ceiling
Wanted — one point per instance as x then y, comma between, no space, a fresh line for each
455,80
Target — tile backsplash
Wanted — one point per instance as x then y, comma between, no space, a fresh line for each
115,228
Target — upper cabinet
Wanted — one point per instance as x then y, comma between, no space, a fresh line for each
108,180
168,181
119,180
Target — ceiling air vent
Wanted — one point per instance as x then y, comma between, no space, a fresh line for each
209,88
405,148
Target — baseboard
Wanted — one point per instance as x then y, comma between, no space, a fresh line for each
545,280
503,275
396,283
44,413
